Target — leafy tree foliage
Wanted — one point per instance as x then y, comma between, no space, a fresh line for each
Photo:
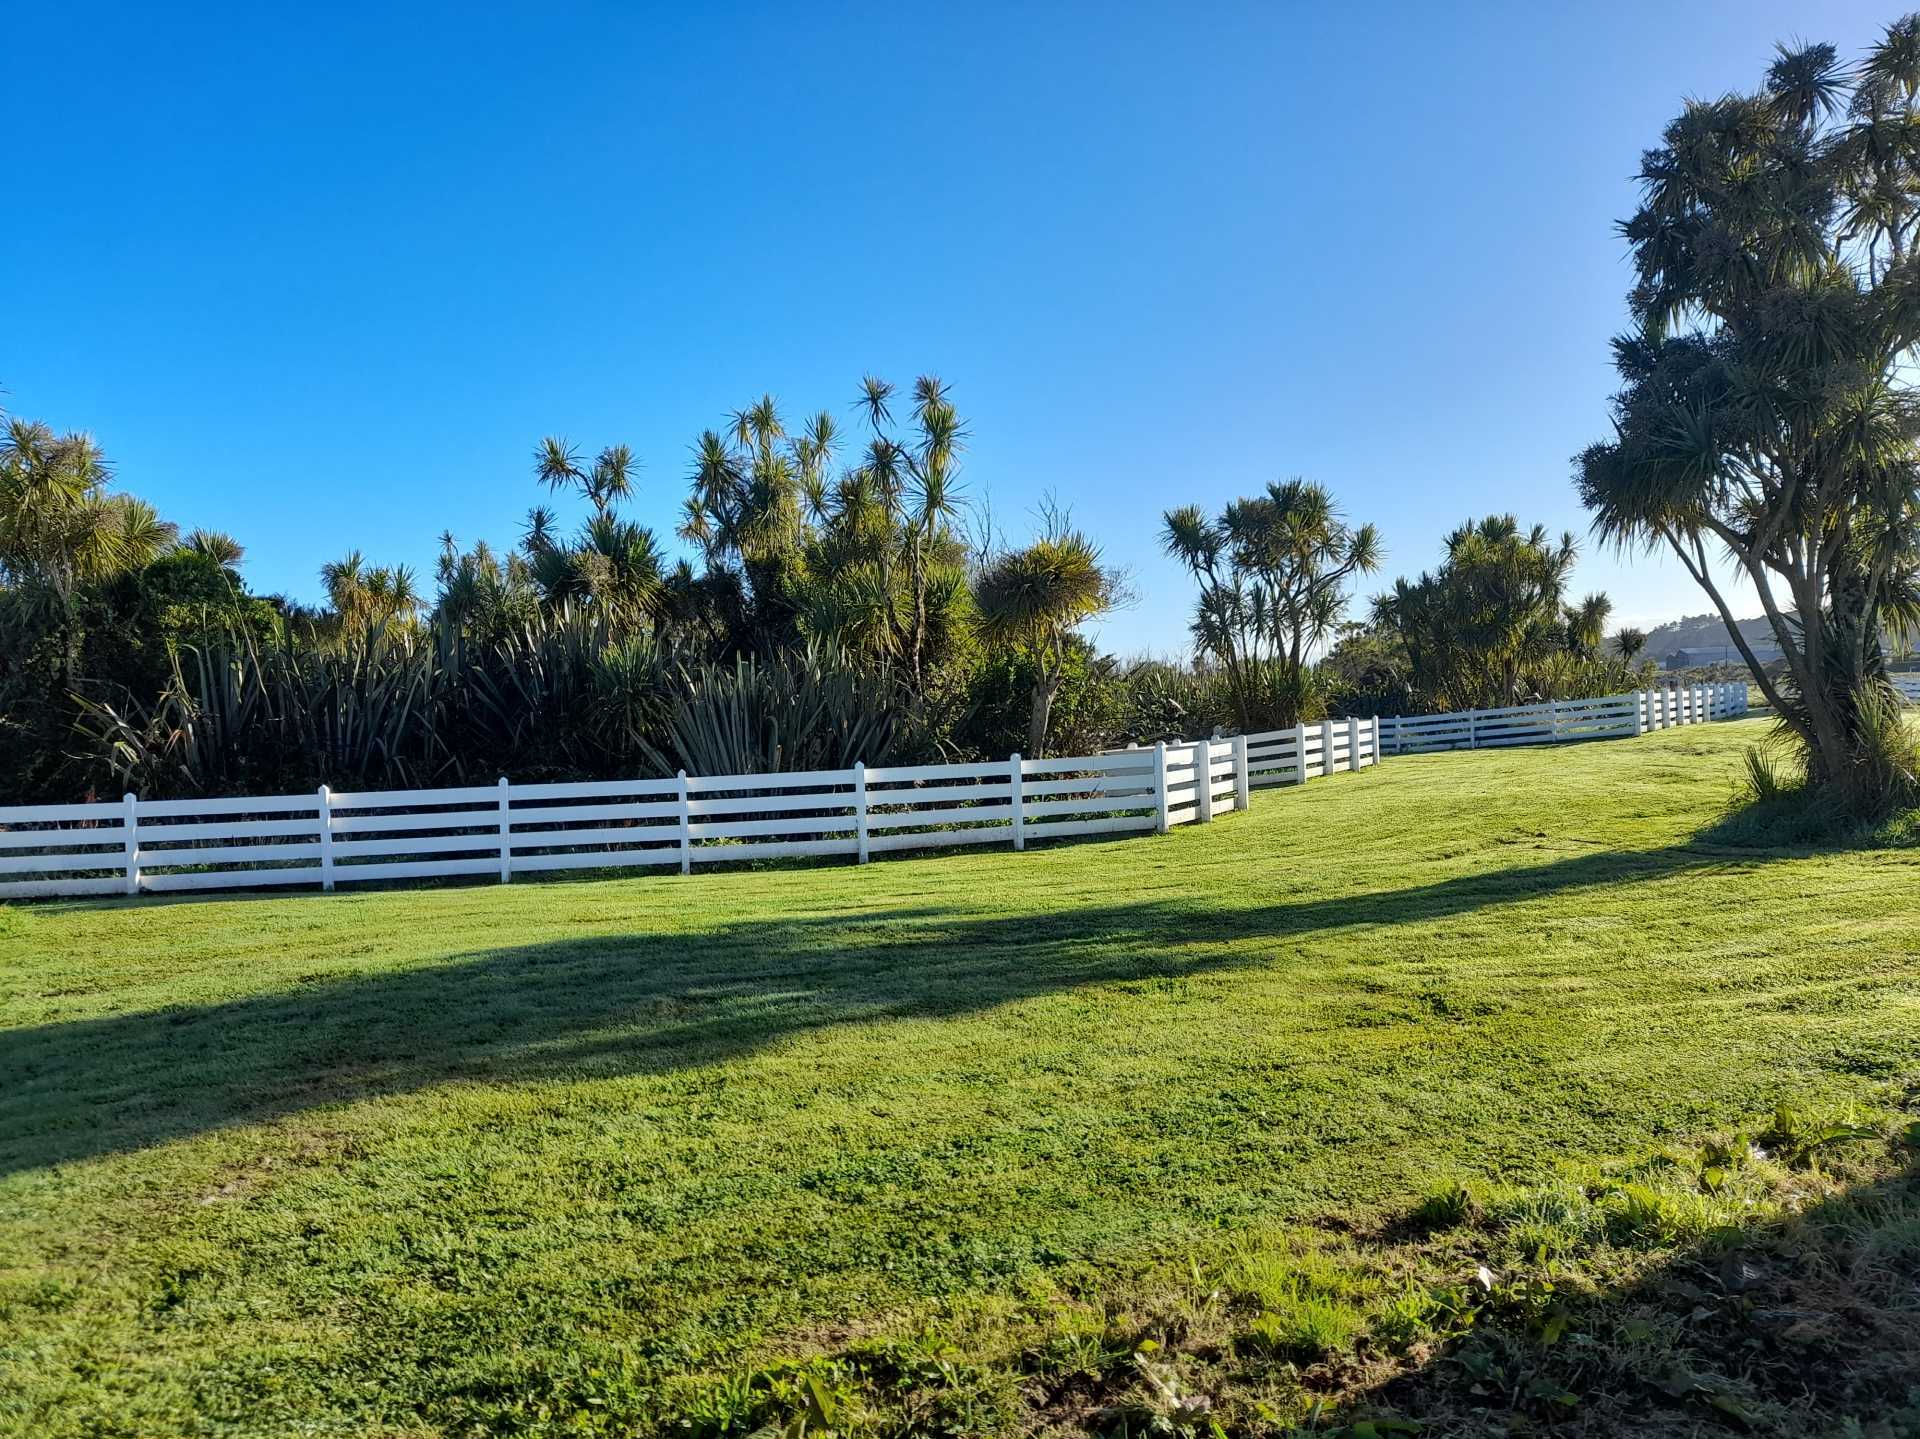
1088,711
1767,410
1273,573
871,561
1493,625
1032,602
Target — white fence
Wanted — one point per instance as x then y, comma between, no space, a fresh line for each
497,831
1908,686
1611,717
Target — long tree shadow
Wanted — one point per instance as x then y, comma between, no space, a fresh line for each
659,1002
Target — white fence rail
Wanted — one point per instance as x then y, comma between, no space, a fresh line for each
497,831
327,839
1908,686
1611,717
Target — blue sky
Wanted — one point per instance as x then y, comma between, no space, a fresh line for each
322,276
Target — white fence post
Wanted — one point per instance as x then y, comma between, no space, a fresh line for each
686,827
1300,750
1553,715
860,809
1473,729
326,837
1203,780
131,820
1015,767
506,833
1326,748
1164,820
1639,712
1353,742
1242,776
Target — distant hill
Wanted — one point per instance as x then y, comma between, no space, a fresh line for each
1706,632
1699,632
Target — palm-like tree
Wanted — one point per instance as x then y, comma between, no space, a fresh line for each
1033,600
216,545
1587,626
59,527
483,594
869,561
1630,642
1489,623
1273,572
365,597
1767,412
604,484
62,531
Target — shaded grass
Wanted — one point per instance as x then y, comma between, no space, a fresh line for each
591,1154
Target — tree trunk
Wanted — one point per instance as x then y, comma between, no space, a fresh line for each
1853,661
1044,689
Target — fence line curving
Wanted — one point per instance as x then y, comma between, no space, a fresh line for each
328,838
1610,717
332,838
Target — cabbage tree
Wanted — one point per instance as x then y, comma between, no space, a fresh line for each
1273,571
1034,600
1767,412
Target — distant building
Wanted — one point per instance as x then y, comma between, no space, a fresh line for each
1699,656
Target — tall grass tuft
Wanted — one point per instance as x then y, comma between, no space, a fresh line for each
1874,798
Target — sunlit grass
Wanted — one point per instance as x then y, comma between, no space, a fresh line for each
502,1160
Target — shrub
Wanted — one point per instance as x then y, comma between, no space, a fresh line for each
1089,712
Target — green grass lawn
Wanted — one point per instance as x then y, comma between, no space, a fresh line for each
588,1157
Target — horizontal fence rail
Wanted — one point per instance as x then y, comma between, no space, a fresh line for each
1610,717
1907,686
332,838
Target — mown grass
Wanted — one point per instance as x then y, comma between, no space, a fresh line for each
1189,1131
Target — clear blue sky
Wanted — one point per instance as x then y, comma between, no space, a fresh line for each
323,275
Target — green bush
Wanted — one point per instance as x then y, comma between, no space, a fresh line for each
1089,713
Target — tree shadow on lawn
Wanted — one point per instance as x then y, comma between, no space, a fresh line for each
659,1002
1789,1324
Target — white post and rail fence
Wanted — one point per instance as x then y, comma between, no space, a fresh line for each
330,838
1611,717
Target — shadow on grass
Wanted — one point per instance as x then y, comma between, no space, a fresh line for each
1795,1323
1798,1317
660,1002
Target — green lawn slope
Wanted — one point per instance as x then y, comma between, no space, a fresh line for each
671,1154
